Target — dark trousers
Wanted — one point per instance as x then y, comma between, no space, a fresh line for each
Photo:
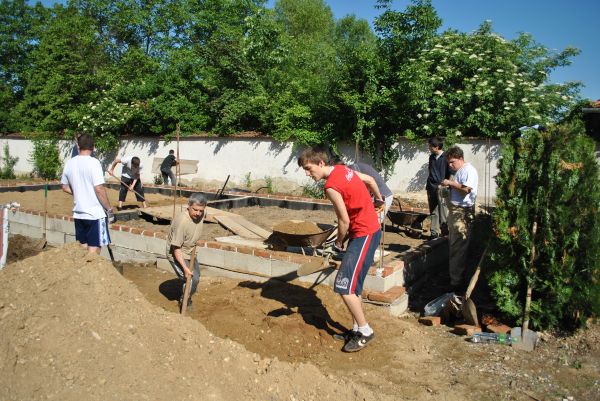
124,189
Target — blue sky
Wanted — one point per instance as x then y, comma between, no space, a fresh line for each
555,24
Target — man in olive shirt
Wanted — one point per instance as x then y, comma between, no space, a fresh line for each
185,231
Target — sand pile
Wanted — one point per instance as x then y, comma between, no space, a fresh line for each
72,328
298,227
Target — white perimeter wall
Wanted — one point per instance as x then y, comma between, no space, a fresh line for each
263,157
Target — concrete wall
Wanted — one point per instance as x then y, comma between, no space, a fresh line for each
263,157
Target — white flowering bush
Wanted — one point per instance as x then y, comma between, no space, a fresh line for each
106,120
479,84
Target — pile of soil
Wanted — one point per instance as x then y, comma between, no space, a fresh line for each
73,328
298,228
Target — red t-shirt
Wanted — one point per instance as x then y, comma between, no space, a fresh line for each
363,218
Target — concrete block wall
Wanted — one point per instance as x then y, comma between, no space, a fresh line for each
142,245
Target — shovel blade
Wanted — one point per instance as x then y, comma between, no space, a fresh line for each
525,341
313,266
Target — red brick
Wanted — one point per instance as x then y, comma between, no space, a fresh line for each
299,259
230,248
466,330
246,250
499,328
213,245
365,294
148,233
430,320
116,227
388,296
262,254
160,235
200,243
135,231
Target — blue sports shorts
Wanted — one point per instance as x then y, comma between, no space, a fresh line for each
92,232
356,263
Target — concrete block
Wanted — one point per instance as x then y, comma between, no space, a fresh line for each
211,257
25,218
466,330
163,264
398,308
211,271
431,321
325,277
60,225
242,262
281,268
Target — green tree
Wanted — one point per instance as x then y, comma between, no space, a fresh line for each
547,226
68,68
45,157
479,84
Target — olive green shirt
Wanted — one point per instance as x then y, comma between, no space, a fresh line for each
184,234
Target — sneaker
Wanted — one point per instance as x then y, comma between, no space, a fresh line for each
357,342
345,336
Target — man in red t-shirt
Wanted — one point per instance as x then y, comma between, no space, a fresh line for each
357,220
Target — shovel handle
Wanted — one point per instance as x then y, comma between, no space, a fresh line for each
188,283
475,276
127,186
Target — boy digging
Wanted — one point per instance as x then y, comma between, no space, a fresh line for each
357,220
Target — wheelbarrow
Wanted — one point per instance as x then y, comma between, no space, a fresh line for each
409,222
280,240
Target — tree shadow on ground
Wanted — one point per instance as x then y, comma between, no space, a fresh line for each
296,299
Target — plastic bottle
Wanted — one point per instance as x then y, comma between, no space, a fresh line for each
435,307
493,338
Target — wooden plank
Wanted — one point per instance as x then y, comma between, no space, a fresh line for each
187,166
261,232
232,224
166,212
237,240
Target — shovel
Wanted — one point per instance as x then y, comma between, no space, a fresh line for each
132,190
41,244
468,309
315,265
188,283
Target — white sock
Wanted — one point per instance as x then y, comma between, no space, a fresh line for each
365,330
355,327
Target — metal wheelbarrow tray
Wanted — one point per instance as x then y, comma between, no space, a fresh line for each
282,239
407,219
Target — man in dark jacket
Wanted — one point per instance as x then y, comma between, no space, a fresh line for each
438,171
165,168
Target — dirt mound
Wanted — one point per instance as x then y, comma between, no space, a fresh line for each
298,227
20,247
73,328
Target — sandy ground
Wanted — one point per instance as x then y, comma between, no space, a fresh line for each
73,328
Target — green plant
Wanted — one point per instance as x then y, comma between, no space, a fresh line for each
547,227
158,179
8,164
46,158
314,190
248,180
269,185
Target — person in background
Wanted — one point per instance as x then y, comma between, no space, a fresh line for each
185,231
357,220
463,194
436,197
165,168
130,178
84,179
385,192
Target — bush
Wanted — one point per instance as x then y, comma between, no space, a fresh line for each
46,158
8,164
314,190
548,228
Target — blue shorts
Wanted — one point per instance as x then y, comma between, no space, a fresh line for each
92,232
356,263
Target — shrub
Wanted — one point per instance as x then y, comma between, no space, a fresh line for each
8,164
46,158
314,190
548,228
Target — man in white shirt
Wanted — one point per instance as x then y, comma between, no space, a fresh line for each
463,193
83,178
130,178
